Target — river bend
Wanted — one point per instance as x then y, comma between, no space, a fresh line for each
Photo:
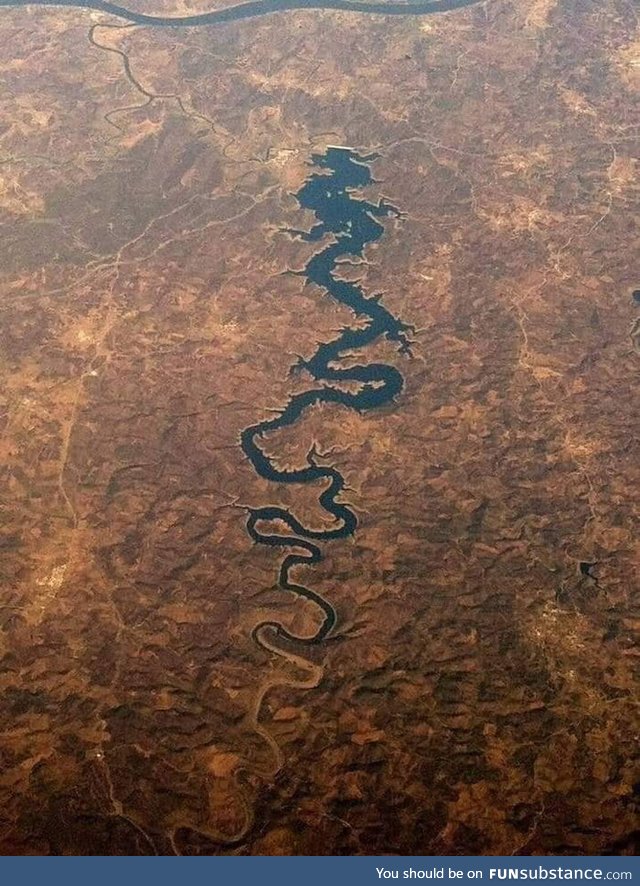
351,223
252,9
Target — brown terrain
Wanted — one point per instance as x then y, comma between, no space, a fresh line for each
479,694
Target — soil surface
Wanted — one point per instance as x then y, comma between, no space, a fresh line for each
478,691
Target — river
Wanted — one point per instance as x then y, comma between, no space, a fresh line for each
252,9
351,223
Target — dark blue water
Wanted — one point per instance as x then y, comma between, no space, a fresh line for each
352,222
252,9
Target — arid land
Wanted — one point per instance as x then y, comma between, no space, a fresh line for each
479,694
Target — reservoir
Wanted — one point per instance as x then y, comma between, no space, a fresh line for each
350,223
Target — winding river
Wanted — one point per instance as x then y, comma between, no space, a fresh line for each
351,222
346,222
252,9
